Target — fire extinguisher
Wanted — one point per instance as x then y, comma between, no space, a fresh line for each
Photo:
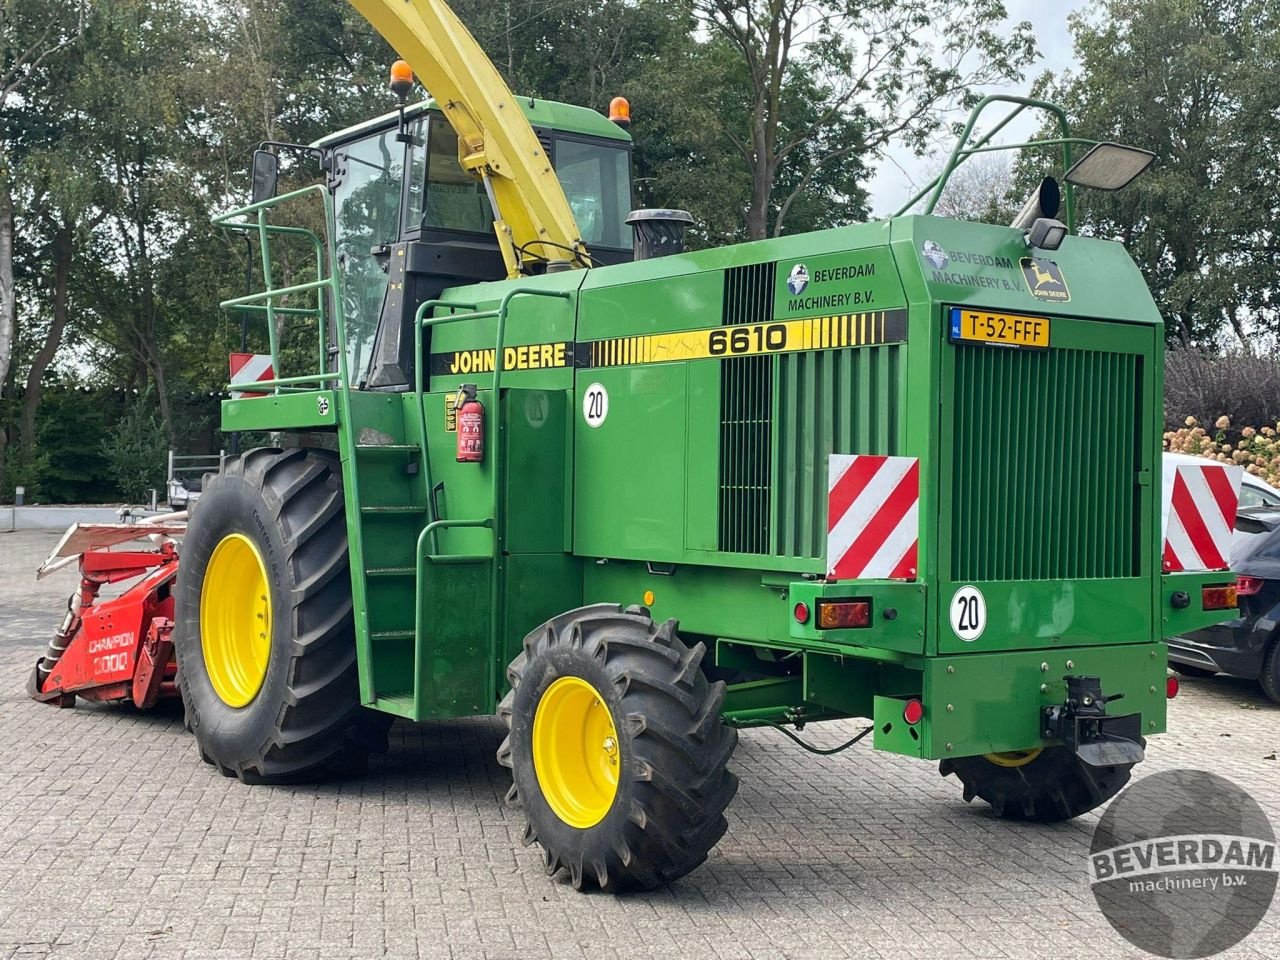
470,413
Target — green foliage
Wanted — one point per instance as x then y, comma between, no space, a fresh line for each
25,467
136,449
1191,81
72,425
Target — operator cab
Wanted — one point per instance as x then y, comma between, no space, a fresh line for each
441,218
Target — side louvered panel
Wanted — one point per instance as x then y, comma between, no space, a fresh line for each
832,401
1044,465
746,409
746,406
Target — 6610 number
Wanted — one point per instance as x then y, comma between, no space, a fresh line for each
757,338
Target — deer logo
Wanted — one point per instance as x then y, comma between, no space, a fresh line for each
1044,279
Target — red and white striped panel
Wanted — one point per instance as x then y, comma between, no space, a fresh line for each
1201,513
873,517
250,368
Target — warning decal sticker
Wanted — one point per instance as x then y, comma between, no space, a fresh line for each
710,343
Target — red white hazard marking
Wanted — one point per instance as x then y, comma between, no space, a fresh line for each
873,517
250,368
1200,512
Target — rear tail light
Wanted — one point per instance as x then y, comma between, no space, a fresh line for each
913,712
1171,687
1248,586
801,612
1220,597
838,614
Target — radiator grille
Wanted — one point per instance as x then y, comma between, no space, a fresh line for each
829,401
746,412
1045,464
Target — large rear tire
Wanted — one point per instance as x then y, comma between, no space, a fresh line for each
264,635
616,747
1047,785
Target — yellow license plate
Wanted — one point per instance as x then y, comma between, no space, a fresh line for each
1001,329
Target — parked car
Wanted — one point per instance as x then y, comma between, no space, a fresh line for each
1254,491
1248,646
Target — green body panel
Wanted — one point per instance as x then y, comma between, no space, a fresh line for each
304,410
732,375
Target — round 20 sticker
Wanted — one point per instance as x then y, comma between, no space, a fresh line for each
968,613
595,405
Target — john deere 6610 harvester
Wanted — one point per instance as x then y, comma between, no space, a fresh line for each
906,471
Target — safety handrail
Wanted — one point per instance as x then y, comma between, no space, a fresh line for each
420,322
253,218
933,189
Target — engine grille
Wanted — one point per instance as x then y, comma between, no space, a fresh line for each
1044,464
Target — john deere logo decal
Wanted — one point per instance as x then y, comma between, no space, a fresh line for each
1044,279
798,279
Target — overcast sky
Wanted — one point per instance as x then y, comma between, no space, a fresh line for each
902,173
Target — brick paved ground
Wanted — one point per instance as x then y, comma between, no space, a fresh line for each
116,842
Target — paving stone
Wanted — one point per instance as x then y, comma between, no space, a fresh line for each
117,842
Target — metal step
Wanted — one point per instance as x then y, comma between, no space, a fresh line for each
393,635
400,508
401,704
388,447
391,571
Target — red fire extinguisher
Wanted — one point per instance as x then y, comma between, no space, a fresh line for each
470,425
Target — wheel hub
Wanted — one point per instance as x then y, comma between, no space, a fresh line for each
1014,758
576,752
235,620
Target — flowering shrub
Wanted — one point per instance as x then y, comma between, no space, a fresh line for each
1257,450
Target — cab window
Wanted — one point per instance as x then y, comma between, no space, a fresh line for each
595,175
597,180
453,198
370,174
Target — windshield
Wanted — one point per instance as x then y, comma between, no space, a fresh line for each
367,209
595,175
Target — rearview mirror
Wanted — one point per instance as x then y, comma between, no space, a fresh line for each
266,173
1109,166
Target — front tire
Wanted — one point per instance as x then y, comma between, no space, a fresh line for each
264,634
616,748
1046,785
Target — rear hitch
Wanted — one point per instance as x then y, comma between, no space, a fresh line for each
1082,724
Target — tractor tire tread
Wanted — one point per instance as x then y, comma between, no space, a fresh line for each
1054,787
318,727
677,781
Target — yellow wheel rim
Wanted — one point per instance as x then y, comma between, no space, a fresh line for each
1014,758
575,752
235,620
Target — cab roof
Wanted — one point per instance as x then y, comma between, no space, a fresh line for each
564,117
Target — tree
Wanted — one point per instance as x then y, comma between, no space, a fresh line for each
982,189
32,35
876,74
1188,80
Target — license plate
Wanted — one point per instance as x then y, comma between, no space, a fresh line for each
1001,329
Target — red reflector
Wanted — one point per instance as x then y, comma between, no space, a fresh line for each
1171,687
913,712
1248,586
1218,598
801,612
833,614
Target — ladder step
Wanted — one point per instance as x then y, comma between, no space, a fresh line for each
389,447
401,508
391,571
392,635
401,704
